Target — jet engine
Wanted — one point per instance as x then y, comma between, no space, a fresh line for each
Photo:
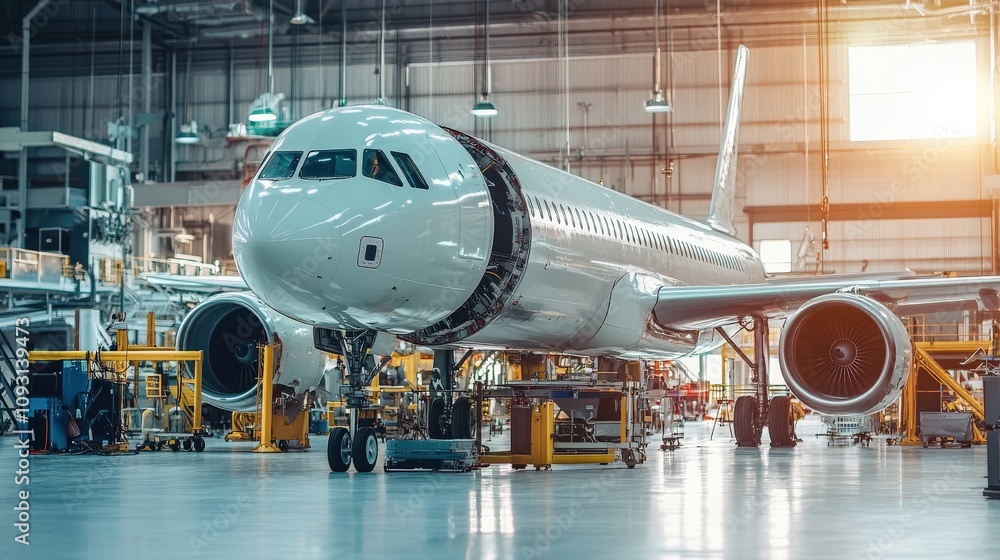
845,354
227,328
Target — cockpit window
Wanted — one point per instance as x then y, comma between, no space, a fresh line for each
377,166
330,164
281,165
410,170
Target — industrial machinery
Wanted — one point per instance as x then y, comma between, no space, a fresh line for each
86,409
71,411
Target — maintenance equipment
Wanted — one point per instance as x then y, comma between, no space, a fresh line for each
991,391
94,385
565,422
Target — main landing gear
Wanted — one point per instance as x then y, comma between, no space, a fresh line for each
752,413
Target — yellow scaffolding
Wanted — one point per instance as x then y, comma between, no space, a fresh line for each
922,359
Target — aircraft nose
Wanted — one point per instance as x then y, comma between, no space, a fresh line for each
285,246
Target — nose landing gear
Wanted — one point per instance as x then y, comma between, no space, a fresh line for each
359,443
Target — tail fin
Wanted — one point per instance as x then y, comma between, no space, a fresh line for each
723,211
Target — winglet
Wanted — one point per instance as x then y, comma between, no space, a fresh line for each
723,211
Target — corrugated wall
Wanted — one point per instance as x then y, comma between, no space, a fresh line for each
671,164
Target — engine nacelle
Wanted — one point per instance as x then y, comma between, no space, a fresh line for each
845,354
227,328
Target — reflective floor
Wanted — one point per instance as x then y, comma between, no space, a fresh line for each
705,500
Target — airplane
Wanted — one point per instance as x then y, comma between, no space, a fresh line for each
371,224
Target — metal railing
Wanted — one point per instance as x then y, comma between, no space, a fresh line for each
33,266
971,331
719,391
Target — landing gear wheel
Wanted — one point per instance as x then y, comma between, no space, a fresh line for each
174,446
187,444
435,411
780,425
745,422
365,451
464,420
629,457
283,446
338,450
199,444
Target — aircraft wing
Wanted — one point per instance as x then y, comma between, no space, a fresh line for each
201,284
705,307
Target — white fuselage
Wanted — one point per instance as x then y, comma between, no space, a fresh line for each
581,276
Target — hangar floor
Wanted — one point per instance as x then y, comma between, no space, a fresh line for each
705,500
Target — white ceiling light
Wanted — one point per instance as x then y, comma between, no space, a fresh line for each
300,18
188,134
484,107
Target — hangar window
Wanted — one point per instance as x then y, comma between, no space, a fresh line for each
776,255
548,209
281,165
909,92
531,209
579,220
377,167
605,228
410,170
330,164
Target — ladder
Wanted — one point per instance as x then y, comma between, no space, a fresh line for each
8,377
189,397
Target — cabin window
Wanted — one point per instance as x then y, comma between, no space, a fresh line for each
548,210
410,170
321,165
531,209
377,167
281,165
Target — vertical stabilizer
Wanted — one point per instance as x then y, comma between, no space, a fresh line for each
723,212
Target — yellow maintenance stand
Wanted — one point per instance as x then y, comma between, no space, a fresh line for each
277,428
924,361
562,422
